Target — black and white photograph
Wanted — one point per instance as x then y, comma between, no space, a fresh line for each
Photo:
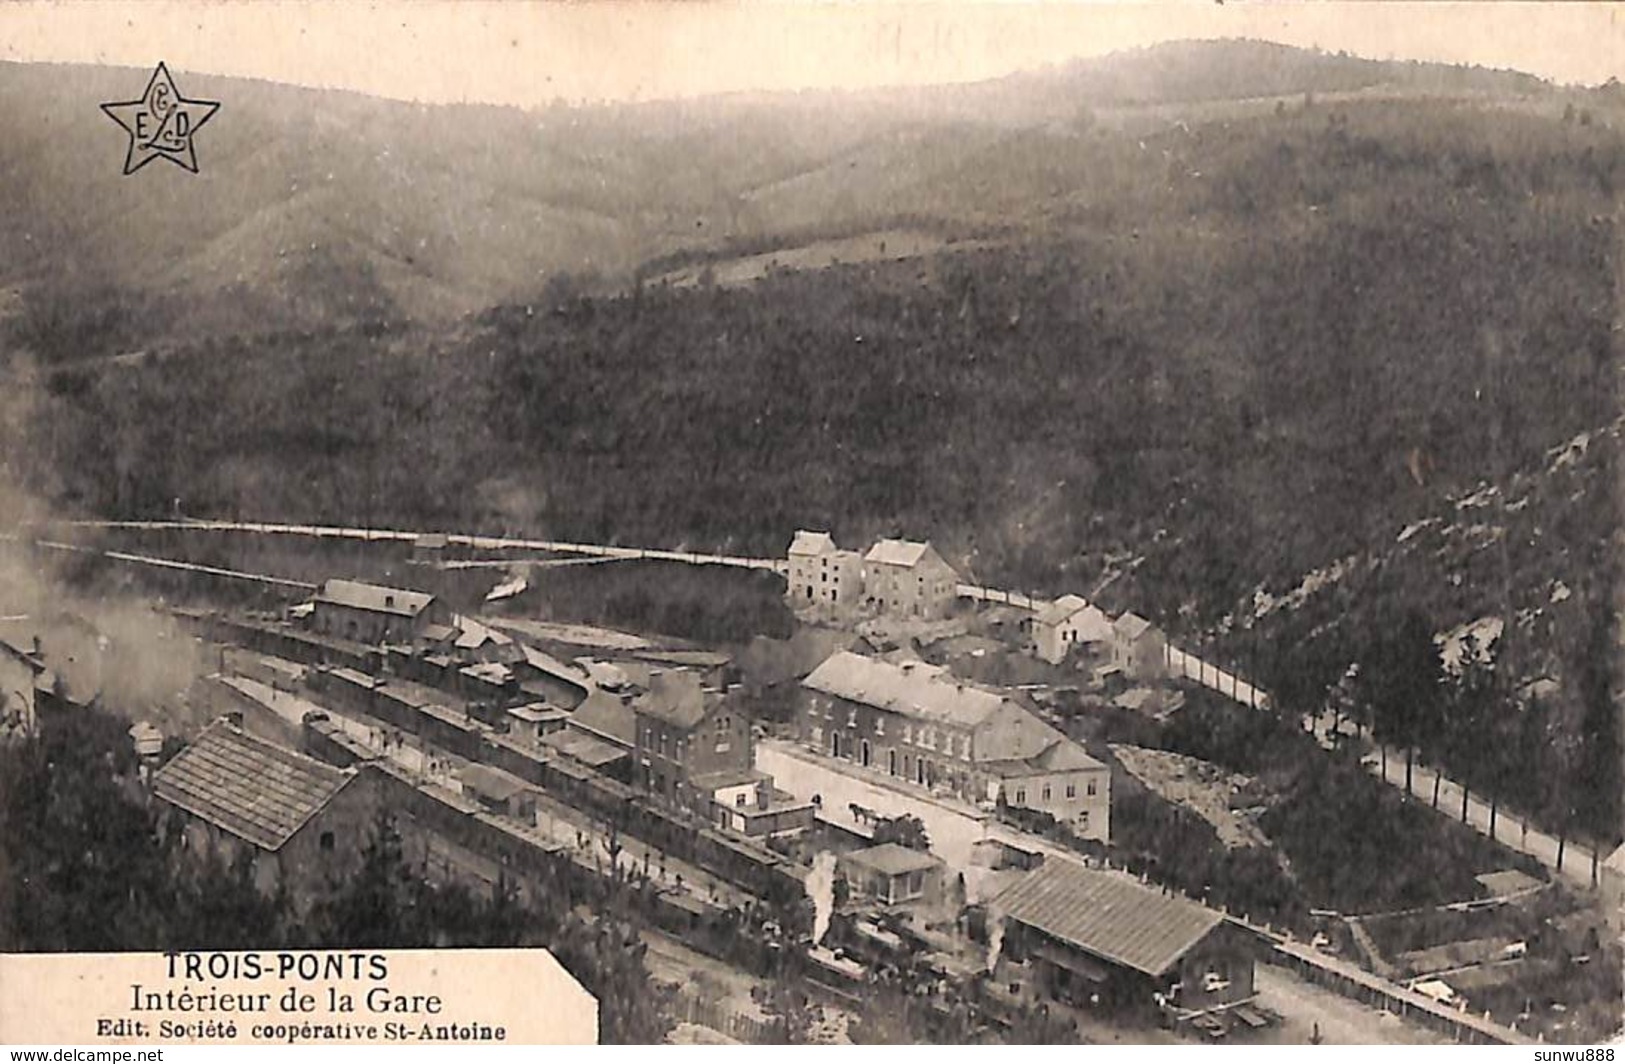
933,523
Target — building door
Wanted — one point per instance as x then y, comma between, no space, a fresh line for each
834,744
891,762
919,771
863,752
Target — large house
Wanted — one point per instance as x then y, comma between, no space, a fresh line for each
822,574
896,578
906,579
692,750
302,823
369,613
1094,935
1070,624
916,722
684,732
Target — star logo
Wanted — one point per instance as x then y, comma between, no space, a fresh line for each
161,123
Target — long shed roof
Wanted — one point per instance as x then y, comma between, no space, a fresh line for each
374,598
254,789
1109,915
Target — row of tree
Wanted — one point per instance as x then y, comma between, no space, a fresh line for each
1487,728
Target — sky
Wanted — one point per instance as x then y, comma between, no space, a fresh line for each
528,54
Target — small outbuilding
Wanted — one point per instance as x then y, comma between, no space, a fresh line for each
893,875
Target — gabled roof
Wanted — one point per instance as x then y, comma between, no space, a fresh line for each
1061,609
904,552
1109,915
374,598
252,788
891,859
606,716
913,689
473,635
1065,756
1131,626
811,543
1013,733
1616,860
676,698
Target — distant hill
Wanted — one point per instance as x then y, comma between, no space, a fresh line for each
322,208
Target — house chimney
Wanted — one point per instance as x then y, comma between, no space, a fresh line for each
39,649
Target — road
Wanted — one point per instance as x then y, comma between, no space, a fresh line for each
1510,830
953,829
1305,1007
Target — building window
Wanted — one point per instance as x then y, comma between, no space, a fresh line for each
1046,792
908,733
1071,790
1021,796
1090,789
739,800
880,727
1083,820
326,841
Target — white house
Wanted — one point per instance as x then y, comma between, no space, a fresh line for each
1069,623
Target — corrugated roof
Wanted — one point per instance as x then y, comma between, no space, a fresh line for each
893,860
811,543
1109,915
915,690
904,552
374,598
243,784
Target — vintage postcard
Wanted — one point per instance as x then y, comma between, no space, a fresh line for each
895,523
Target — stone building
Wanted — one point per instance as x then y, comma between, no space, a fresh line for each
369,613
302,823
915,722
